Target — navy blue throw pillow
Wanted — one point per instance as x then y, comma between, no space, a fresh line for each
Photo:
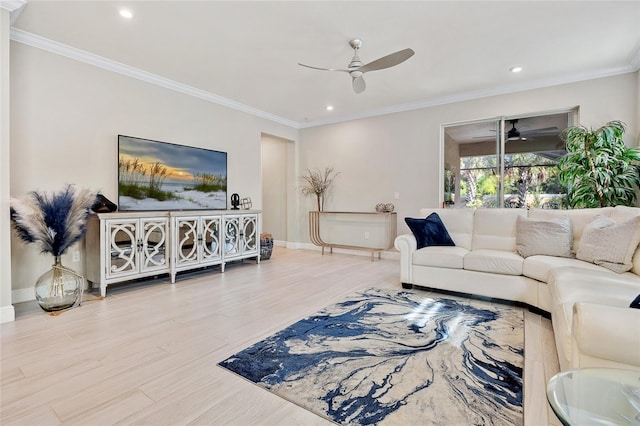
430,231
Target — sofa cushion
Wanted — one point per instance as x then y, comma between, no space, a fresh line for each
539,267
494,261
620,214
544,237
459,224
495,229
570,285
610,244
429,231
440,256
579,219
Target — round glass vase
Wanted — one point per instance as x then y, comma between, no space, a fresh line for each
58,288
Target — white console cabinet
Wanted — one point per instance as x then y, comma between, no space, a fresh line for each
124,246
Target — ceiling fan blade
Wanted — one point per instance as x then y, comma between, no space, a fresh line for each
388,61
321,69
540,131
358,84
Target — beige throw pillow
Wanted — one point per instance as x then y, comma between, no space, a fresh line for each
547,237
610,244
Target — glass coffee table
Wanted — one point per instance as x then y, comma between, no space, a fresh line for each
596,396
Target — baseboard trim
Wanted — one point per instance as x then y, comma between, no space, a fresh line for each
7,314
22,295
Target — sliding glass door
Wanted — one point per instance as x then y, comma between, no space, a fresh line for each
508,162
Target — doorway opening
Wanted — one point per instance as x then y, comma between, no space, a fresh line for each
278,185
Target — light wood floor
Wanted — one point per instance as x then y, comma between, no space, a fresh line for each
147,354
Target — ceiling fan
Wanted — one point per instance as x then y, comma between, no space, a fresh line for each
356,69
514,134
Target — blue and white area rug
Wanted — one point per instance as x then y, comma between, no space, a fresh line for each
397,357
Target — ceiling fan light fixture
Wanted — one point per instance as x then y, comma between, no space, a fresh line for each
515,69
126,13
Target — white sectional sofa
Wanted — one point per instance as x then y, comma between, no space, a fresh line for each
589,304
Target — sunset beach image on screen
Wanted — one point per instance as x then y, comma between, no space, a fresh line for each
154,175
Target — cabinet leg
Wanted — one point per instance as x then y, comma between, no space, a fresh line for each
222,267
103,291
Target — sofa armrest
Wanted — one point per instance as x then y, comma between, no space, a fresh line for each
603,332
406,244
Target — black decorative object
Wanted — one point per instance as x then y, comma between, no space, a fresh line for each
235,201
103,205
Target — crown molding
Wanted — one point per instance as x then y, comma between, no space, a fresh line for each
477,94
15,8
48,45
43,43
12,5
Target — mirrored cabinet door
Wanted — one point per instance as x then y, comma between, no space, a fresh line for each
210,237
154,243
249,233
122,238
232,236
186,240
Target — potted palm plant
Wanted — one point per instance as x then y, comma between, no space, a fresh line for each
598,168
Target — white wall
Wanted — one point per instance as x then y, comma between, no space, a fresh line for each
65,118
6,309
401,152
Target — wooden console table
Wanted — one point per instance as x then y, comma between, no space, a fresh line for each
371,231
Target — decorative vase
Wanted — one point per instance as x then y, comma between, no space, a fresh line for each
58,288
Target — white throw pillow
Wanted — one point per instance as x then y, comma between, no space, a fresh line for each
610,244
546,237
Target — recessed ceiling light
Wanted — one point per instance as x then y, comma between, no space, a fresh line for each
329,107
515,69
125,13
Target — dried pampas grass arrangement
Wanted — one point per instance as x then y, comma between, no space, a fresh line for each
54,221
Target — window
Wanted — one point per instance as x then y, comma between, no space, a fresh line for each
506,162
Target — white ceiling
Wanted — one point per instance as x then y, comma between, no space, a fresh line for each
247,52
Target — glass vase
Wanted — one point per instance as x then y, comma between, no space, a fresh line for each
58,288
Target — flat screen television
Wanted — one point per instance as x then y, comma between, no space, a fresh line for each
154,175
